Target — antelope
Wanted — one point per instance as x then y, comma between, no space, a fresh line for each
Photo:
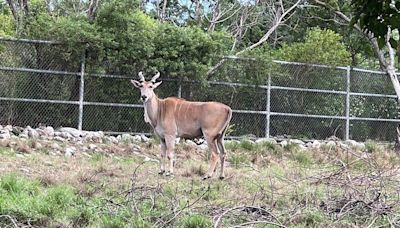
174,117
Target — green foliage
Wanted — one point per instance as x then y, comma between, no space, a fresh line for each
321,46
371,146
311,218
6,25
29,200
195,221
247,144
237,159
378,17
302,157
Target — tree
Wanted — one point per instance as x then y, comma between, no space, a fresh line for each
381,41
378,17
279,12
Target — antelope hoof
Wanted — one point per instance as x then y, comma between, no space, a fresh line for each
161,172
206,177
221,177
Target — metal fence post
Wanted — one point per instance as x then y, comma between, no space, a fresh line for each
268,114
180,90
81,90
347,133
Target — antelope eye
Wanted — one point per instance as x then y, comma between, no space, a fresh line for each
150,87
140,85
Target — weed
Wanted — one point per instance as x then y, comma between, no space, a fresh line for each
291,147
248,145
236,159
194,221
311,218
232,146
302,157
97,157
371,146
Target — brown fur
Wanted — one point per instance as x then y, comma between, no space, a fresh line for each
175,117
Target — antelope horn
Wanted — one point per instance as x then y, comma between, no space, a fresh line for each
155,77
141,76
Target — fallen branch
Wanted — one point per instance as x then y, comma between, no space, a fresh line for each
11,219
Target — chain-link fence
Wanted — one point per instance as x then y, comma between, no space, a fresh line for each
42,83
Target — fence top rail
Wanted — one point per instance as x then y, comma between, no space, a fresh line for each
29,40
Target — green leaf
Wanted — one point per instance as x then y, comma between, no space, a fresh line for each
393,43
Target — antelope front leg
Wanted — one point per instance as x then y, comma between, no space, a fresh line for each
170,143
162,156
214,158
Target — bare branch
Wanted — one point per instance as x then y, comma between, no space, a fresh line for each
13,9
278,21
93,5
368,34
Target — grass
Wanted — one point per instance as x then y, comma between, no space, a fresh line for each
115,188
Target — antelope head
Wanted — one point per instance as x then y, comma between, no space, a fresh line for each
146,87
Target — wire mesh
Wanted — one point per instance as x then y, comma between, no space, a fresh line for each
18,113
311,103
40,81
114,119
36,55
307,76
370,82
306,127
372,130
374,107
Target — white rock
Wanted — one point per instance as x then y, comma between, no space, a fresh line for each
343,145
361,146
72,131
331,144
59,139
199,141
38,146
126,138
137,138
316,144
111,139
55,146
296,141
8,128
32,133
66,135
92,146
136,148
49,131
190,142
14,137
309,144
203,146
266,140
1,127
69,151
302,147
144,138
5,134
284,143
177,140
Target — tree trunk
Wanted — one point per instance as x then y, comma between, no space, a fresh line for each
164,11
93,5
13,9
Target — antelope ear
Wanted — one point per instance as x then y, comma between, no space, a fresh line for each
136,83
155,85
